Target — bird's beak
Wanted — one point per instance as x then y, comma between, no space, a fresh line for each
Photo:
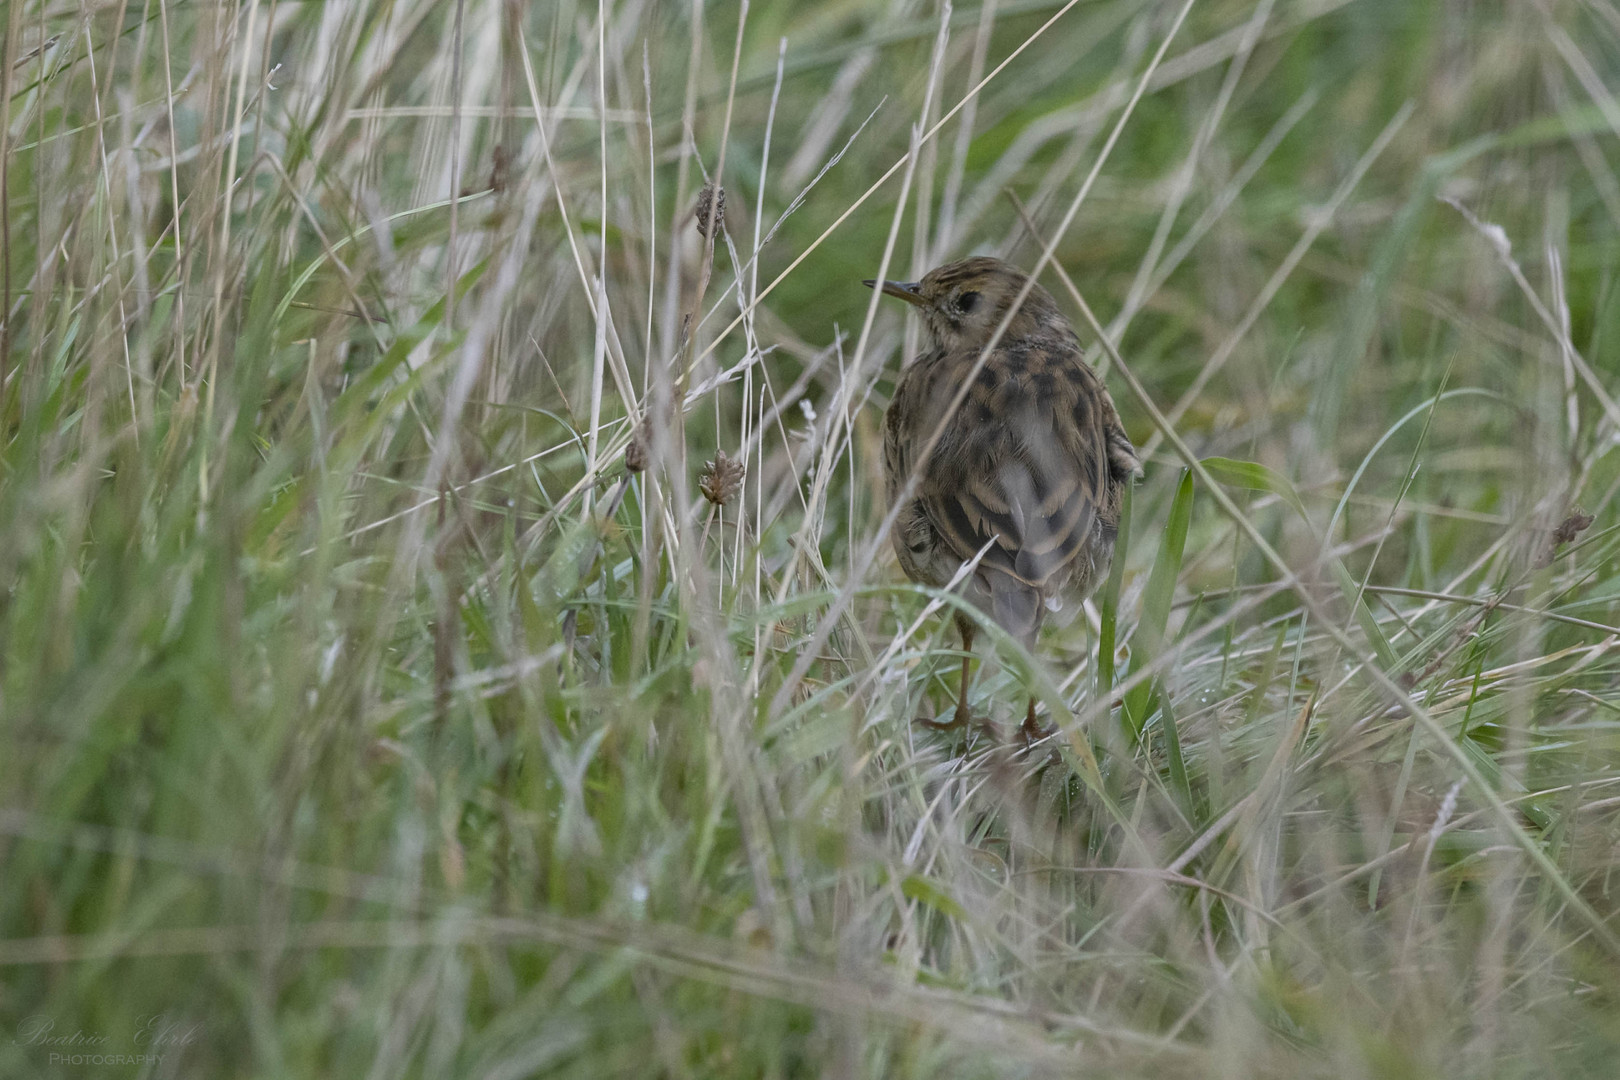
909,291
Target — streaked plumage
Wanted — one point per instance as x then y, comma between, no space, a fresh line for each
1035,457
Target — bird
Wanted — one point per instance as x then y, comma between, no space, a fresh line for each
1031,468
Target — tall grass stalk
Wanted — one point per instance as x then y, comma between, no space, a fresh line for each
449,625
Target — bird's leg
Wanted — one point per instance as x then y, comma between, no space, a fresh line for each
1032,729
963,714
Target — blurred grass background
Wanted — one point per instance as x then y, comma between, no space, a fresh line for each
362,714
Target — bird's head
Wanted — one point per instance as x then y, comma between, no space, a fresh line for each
963,302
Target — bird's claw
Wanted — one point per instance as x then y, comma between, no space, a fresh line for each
962,719
1033,733
1030,730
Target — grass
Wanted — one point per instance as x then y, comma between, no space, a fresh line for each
363,713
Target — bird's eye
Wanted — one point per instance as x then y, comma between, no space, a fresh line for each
967,302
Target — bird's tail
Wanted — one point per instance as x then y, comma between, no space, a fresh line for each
1016,607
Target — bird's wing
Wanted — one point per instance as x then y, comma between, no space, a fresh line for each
1019,486
1122,459
906,426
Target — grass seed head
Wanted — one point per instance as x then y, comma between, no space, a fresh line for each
711,209
1566,532
635,455
722,478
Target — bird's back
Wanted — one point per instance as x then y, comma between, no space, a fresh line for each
1035,457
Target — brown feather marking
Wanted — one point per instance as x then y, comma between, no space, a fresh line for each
1036,457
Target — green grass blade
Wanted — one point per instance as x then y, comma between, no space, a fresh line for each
1253,476
1108,603
1148,641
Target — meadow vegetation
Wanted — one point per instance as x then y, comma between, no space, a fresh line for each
448,625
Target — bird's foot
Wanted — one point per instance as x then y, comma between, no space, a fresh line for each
939,725
1032,731
960,719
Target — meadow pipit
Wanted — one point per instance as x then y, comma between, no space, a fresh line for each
1033,463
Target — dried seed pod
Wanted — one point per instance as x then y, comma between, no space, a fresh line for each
498,169
635,455
640,449
722,478
1571,527
1566,532
639,454
711,209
